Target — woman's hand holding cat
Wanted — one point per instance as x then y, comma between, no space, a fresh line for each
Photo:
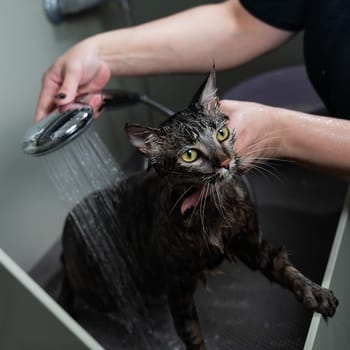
265,132
258,135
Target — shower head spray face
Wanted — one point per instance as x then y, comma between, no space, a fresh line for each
56,130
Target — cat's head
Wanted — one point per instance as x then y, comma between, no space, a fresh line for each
193,146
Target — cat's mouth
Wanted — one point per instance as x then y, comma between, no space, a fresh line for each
192,199
194,196
198,192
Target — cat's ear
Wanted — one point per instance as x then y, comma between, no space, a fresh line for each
142,137
206,96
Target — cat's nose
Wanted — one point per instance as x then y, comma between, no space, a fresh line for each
226,163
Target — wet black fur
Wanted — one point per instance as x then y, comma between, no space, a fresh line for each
164,251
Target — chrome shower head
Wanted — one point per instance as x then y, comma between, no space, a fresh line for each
58,129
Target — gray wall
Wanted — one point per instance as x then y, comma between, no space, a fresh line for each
31,213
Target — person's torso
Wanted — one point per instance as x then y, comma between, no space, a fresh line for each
327,52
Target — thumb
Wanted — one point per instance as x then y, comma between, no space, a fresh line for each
70,85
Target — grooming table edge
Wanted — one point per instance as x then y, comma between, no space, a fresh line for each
335,334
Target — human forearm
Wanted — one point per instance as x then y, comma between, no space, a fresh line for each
317,141
189,41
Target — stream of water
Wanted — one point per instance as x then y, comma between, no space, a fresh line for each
83,167
81,173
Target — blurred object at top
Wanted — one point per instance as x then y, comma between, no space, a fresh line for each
56,10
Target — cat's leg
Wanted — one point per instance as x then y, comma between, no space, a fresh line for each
184,313
275,264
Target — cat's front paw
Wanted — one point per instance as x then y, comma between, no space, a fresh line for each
316,298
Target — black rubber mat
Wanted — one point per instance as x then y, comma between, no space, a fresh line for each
240,309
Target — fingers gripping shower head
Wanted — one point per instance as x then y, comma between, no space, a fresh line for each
58,129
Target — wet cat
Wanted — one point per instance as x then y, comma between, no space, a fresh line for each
170,241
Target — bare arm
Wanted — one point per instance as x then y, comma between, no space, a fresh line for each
319,141
189,41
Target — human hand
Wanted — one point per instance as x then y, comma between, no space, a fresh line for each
265,132
258,130
79,70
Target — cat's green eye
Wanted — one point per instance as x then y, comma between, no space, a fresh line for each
189,156
222,134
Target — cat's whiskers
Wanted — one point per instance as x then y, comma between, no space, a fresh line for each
254,151
209,178
260,141
248,159
262,160
215,197
202,203
252,159
218,202
254,156
261,168
208,190
275,135
258,152
179,199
